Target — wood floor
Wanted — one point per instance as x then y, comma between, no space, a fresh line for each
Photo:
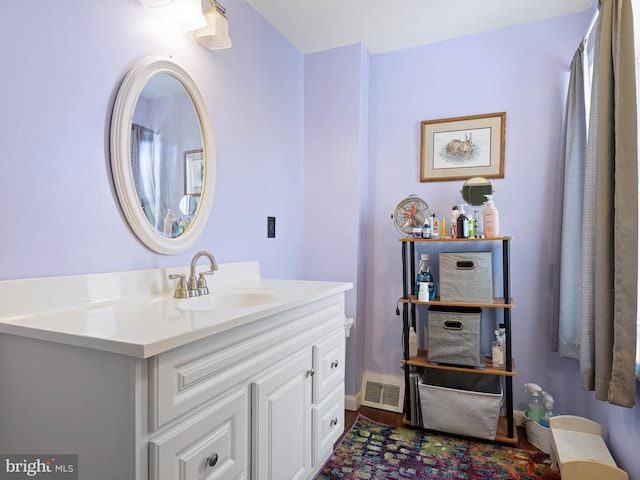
395,419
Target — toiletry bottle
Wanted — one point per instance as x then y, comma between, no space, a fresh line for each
497,349
413,342
535,408
548,409
168,224
462,223
435,227
491,219
426,229
476,223
472,227
454,220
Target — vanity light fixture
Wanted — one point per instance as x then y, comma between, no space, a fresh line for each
186,15
215,36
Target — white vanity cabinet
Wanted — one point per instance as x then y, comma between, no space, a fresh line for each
264,394
263,400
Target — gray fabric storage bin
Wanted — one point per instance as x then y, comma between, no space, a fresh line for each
463,403
466,277
453,336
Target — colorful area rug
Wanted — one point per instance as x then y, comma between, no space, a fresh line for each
374,451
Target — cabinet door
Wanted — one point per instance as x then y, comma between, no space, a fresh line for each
282,420
212,444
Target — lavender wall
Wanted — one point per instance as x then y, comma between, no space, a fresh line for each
336,183
63,62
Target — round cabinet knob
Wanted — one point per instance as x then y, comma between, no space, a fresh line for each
311,372
212,459
334,364
334,421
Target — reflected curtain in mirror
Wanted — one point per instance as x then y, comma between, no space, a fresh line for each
143,159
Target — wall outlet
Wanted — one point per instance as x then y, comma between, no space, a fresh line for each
271,227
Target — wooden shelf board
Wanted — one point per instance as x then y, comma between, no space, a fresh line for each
420,360
498,302
447,239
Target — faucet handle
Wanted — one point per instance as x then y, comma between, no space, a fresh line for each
202,283
181,289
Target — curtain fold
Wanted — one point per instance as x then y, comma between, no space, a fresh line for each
599,259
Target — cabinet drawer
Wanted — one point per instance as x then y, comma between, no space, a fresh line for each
328,424
328,363
211,444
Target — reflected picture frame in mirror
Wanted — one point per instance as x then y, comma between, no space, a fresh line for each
159,240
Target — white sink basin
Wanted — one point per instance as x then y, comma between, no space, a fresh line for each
230,299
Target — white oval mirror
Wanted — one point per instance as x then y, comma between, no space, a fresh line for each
162,150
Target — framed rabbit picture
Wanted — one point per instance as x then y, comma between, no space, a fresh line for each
460,148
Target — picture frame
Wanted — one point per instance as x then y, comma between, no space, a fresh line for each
460,148
193,172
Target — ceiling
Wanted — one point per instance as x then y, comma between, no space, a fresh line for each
384,26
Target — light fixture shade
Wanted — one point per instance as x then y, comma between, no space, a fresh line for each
215,36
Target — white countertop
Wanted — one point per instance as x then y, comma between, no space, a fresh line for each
142,324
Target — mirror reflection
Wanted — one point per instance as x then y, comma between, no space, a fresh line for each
167,159
474,191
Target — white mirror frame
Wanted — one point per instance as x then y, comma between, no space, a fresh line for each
121,120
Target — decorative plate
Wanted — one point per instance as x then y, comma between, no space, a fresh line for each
409,213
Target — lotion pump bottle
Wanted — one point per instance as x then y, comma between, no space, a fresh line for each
491,219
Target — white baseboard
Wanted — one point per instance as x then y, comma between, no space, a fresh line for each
352,403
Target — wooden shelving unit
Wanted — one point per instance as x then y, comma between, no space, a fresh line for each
506,432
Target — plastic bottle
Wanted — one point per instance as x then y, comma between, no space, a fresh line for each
413,342
472,228
548,409
426,229
454,220
491,219
168,223
425,277
462,223
435,227
497,349
476,223
535,408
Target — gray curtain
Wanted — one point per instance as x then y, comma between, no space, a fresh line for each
566,336
609,245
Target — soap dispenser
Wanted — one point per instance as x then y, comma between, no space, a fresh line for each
491,219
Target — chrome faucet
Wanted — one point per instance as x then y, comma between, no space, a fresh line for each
195,287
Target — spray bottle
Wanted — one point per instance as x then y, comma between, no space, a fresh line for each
548,409
535,408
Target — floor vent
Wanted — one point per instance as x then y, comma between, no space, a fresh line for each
383,392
